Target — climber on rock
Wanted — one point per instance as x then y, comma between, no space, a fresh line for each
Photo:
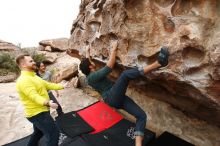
114,94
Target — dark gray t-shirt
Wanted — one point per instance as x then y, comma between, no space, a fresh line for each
99,81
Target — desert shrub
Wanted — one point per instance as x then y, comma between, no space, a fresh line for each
3,72
39,57
8,64
32,51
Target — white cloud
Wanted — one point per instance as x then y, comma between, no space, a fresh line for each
30,21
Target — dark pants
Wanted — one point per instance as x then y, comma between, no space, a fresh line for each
118,99
44,124
52,97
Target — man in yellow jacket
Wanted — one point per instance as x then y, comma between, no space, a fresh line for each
33,95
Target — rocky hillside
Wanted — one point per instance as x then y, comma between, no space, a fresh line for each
62,65
7,51
6,46
191,30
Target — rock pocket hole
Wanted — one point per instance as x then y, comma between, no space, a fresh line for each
94,25
164,3
146,60
192,56
169,25
184,38
113,36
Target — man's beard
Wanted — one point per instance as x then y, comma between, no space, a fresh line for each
33,68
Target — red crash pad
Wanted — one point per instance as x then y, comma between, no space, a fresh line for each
100,116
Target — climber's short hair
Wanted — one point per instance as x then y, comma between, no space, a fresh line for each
84,66
20,58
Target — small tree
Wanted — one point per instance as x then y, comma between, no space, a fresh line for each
32,51
8,64
39,57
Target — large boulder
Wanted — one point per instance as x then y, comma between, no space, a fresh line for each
64,68
10,77
59,44
191,30
11,50
8,47
50,57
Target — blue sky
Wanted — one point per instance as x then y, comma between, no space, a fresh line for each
30,21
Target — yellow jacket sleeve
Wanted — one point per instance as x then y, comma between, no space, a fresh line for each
52,86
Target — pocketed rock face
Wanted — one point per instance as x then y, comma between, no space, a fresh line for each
191,30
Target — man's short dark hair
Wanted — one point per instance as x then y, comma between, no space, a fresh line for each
20,58
84,66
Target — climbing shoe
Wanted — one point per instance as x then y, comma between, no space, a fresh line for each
163,56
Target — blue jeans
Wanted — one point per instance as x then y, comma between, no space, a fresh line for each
44,125
117,98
